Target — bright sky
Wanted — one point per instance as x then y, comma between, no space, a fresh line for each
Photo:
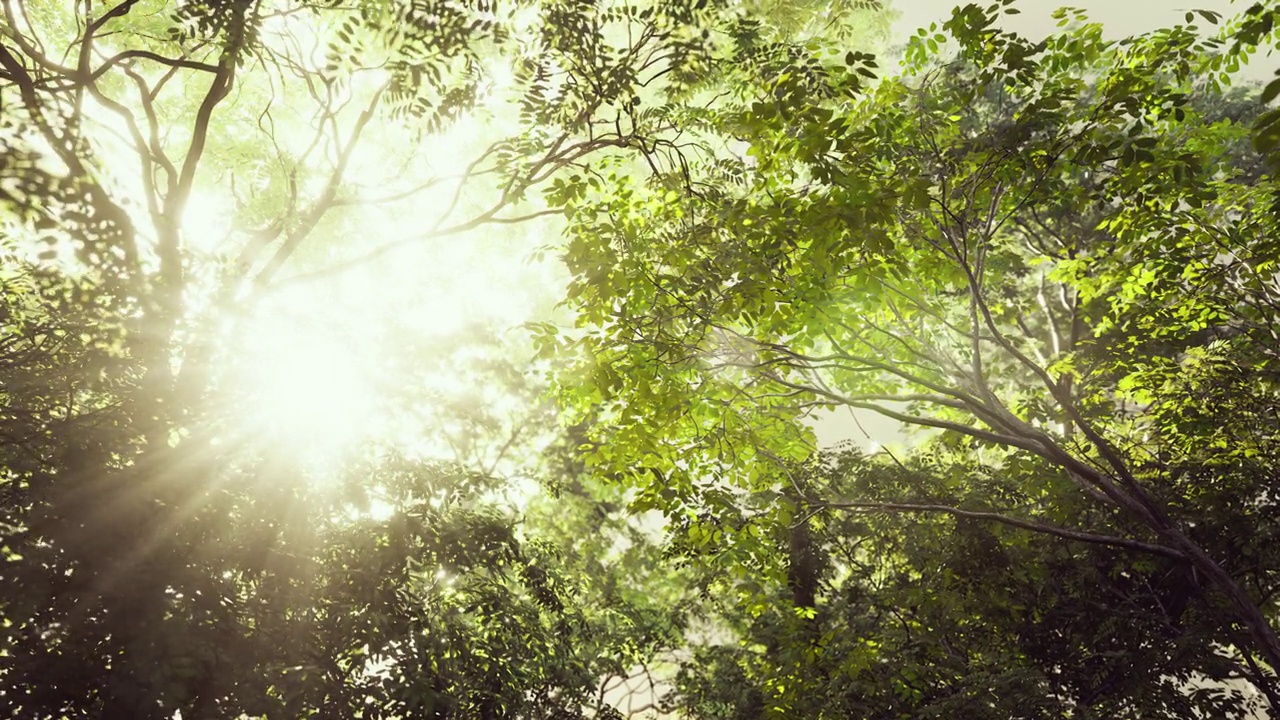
1119,18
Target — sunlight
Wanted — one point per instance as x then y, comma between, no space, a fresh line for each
326,346
206,221
380,510
309,393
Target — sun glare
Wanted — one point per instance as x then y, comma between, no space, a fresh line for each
205,222
310,395
347,325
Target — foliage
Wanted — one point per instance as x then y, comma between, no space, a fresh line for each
433,608
944,615
1058,253
1059,256
165,553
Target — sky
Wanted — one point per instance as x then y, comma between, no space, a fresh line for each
1119,18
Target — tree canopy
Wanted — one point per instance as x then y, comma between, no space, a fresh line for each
463,360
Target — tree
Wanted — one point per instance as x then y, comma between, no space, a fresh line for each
156,567
1059,255
937,615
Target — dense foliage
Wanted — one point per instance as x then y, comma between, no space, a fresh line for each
1058,254
166,552
1056,259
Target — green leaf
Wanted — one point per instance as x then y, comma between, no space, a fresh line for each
1270,92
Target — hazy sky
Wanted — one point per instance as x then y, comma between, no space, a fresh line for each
1119,18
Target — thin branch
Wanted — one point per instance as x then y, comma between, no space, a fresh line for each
1077,535
326,200
378,252
180,62
978,433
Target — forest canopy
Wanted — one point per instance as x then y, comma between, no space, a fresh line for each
466,359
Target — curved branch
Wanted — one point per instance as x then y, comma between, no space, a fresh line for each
557,157
1033,526
326,200
978,433
487,218
155,57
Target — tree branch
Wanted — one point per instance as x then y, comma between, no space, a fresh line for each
485,219
327,198
155,57
1076,535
